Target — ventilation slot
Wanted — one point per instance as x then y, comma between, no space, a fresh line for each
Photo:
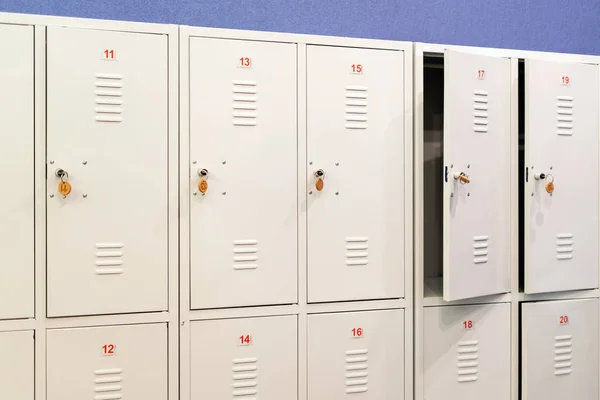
357,251
109,97
564,246
480,249
564,116
357,371
245,378
245,254
109,258
108,384
467,361
356,107
244,103
563,355
480,105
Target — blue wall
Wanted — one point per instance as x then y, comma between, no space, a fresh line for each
544,25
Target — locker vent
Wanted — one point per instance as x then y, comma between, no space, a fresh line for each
357,251
245,378
244,103
468,354
564,116
109,258
563,355
480,249
245,254
108,384
109,97
480,106
356,107
357,371
564,246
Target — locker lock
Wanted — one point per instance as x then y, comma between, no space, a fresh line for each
462,177
203,183
540,175
320,175
64,187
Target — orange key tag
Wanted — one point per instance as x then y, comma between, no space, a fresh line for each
319,184
203,186
64,188
550,187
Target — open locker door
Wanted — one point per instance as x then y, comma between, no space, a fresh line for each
476,175
561,189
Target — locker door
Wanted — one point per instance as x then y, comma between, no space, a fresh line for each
245,358
476,175
356,142
467,352
114,362
243,144
560,350
359,354
107,130
561,142
16,364
16,156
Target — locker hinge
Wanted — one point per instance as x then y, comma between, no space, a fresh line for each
446,174
526,174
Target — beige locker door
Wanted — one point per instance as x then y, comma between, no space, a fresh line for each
467,352
355,138
356,354
243,132
107,363
560,350
245,358
16,159
17,365
108,129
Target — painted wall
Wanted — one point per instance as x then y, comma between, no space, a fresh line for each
544,25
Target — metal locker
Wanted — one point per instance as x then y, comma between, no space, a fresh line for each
17,364
243,173
561,189
560,350
16,159
355,173
358,354
107,363
467,352
107,133
476,175
245,358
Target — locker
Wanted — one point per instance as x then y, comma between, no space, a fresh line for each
16,158
561,138
243,147
107,363
477,190
467,352
355,173
107,137
356,354
245,358
17,364
560,350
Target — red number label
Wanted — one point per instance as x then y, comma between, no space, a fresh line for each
357,68
245,340
481,74
564,319
357,332
109,54
108,349
468,324
565,80
245,62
